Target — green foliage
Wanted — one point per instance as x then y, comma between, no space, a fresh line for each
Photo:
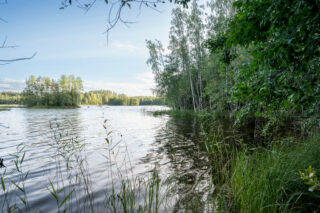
187,75
44,91
180,73
282,38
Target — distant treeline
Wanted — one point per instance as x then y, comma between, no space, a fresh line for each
10,98
106,97
68,92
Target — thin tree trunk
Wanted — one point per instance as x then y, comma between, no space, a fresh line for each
192,91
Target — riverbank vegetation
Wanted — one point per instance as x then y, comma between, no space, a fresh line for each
257,64
258,68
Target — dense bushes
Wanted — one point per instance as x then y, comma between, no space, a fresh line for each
282,76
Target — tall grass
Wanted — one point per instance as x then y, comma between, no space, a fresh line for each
268,180
14,195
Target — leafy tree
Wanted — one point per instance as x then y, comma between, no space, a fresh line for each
188,76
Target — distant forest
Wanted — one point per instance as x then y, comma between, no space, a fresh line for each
10,98
68,92
106,97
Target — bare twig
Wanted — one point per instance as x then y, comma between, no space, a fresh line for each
115,14
6,61
4,2
4,44
1,19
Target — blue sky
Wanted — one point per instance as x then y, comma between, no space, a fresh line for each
70,41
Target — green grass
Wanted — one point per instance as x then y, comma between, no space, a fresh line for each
269,180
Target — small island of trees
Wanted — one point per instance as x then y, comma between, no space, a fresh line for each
43,91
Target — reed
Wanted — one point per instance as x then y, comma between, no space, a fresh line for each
268,180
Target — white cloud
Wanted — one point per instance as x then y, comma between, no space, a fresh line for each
128,47
7,84
92,51
141,85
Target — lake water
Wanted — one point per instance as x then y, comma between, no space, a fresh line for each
90,150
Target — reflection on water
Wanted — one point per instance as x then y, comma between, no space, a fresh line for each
91,148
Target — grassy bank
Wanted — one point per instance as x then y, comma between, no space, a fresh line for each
269,180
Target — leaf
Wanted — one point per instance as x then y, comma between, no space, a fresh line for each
25,203
54,195
311,189
107,140
21,161
25,177
66,198
2,183
14,183
61,190
53,192
17,167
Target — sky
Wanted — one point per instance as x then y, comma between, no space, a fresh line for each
70,41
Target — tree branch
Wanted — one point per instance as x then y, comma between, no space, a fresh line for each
8,61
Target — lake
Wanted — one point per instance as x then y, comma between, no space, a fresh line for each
76,159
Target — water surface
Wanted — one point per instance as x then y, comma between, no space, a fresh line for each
90,149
